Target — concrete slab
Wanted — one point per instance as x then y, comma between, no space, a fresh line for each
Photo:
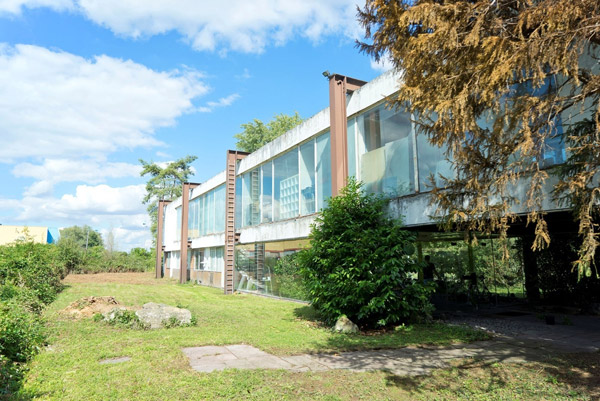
120,359
408,361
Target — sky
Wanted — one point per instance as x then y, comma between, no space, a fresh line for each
89,87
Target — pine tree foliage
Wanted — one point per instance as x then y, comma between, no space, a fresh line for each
477,73
165,183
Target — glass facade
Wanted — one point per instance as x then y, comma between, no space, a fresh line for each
323,170
267,189
352,147
208,259
307,178
296,183
269,268
432,164
387,164
207,213
286,186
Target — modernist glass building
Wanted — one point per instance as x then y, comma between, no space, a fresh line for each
235,230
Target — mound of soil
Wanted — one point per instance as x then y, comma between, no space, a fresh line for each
89,306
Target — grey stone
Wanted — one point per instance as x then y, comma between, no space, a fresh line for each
345,325
155,315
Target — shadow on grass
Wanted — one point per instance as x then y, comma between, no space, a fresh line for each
567,375
579,371
308,313
398,337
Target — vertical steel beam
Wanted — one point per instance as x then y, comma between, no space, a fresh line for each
339,85
230,235
184,245
338,133
159,237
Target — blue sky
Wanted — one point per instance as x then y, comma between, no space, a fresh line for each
88,87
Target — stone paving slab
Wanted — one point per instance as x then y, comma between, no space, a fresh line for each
408,361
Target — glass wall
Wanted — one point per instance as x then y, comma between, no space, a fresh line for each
432,164
323,170
387,164
267,192
352,147
296,183
307,178
286,186
251,184
269,268
207,213
238,202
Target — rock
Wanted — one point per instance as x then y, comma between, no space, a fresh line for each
345,325
156,315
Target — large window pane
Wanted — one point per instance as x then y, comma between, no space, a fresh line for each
251,198
388,165
432,162
352,147
286,186
323,170
267,195
266,268
192,218
238,202
245,200
220,209
307,178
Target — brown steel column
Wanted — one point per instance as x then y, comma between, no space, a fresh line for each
230,235
159,236
339,85
185,207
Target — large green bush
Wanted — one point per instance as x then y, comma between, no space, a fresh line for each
34,266
30,277
358,263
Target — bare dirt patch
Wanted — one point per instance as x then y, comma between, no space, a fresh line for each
89,306
120,278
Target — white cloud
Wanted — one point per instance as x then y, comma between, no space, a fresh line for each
222,102
56,105
384,64
99,206
240,25
90,171
16,6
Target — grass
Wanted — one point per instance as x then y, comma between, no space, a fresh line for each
69,369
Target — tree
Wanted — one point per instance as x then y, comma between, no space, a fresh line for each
84,237
165,183
256,133
358,264
491,80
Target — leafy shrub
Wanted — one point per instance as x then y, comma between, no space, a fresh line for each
30,277
287,281
358,264
99,260
21,332
22,296
11,375
35,266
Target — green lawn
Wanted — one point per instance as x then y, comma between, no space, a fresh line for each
69,369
